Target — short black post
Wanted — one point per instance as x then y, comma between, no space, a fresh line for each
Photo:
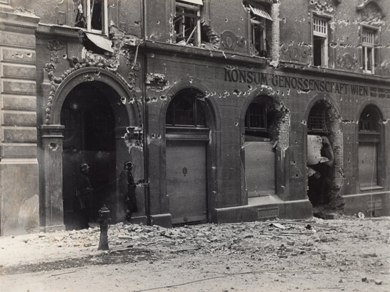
104,215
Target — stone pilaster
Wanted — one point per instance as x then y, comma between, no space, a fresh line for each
275,42
19,178
52,202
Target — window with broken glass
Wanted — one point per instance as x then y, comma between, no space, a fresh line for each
370,148
320,41
368,50
259,26
187,22
92,15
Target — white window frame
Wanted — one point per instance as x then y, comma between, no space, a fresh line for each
196,32
368,46
321,30
87,6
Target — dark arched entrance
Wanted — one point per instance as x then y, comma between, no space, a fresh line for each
89,137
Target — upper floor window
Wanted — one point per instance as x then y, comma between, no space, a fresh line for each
260,25
320,41
187,22
92,15
368,51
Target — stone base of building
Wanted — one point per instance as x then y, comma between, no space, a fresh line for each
164,220
139,220
265,208
52,228
370,204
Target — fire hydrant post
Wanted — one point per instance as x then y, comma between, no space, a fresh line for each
104,218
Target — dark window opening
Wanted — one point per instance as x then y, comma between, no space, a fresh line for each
97,14
186,110
93,21
369,121
318,122
258,120
317,50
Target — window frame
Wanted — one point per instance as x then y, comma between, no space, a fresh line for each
369,45
195,16
264,119
323,36
86,6
258,21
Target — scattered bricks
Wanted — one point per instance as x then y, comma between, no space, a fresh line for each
123,236
290,242
323,238
365,280
378,282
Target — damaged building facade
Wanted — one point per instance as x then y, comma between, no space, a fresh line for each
229,111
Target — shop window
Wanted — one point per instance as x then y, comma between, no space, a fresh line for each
320,41
369,148
92,15
318,120
258,120
260,24
187,22
186,110
368,50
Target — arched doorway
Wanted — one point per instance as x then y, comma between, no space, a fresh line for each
89,137
187,141
324,157
260,123
371,167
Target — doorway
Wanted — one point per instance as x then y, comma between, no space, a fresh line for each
187,143
89,138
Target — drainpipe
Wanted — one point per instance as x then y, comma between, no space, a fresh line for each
145,114
275,43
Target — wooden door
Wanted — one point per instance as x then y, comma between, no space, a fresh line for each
186,180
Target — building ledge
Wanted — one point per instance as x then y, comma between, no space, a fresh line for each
293,67
199,52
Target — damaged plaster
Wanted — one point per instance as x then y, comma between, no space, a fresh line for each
122,45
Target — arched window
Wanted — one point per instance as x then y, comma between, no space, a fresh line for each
370,148
258,119
318,122
186,110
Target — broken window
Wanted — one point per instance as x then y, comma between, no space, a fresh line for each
320,41
187,22
258,119
368,50
260,24
92,15
369,148
318,120
186,110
